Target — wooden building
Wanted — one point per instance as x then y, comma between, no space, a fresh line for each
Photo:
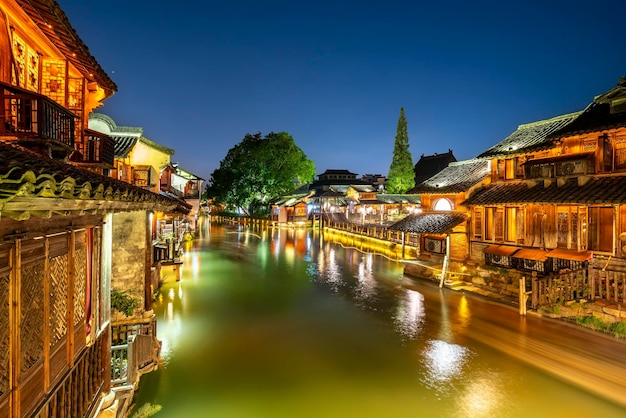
56,222
442,213
562,196
61,215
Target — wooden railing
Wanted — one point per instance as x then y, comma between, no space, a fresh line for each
608,285
134,346
30,115
98,148
77,393
376,231
556,289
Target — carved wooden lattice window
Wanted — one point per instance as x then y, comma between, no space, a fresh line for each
53,80
31,304
20,53
58,295
59,283
80,280
4,319
27,65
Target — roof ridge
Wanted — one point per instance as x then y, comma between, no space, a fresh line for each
550,120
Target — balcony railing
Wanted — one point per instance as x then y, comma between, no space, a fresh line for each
29,115
98,148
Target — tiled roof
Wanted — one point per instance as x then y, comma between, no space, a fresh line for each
530,137
457,177
25,175
53,22
429,165
597,116
363,188
123,145
398,198
598,190
429,223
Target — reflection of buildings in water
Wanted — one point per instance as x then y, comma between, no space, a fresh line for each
410,314
329,271
366,286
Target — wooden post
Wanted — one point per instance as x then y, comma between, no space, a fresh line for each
535,291
446,260
403,245
523,296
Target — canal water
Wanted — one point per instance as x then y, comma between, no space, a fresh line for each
281,323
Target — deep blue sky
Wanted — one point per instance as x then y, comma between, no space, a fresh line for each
199,75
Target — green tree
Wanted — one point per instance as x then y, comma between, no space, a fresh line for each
401,175
257,170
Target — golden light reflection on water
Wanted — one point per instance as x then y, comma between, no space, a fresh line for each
443,362
410,314
231,351
482,397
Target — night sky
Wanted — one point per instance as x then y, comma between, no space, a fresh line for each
199,75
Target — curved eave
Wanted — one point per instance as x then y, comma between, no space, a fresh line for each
23,208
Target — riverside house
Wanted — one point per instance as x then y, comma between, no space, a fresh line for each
61,216
547,202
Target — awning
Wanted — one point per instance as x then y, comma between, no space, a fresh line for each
429,223
532,254
504,250
570,254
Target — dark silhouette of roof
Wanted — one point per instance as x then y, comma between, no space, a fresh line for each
601,114
429,165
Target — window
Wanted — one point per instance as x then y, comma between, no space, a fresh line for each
478,223
510,169
442,204
489,224
567,227
141,176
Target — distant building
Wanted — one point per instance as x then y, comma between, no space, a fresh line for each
429,165
376,180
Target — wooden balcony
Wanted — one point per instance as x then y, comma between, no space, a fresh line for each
35,120
97,148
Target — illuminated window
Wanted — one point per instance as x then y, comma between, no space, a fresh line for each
442,204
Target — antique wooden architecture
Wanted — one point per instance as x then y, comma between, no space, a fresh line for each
61,216
557,200
56,223
549,200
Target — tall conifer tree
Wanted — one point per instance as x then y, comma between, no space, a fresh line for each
401,175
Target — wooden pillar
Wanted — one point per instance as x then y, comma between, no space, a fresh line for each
71,284
15,322
523,296
46,314
403,245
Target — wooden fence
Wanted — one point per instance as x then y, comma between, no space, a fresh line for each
588,283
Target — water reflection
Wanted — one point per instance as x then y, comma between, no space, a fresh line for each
410,315
278,323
